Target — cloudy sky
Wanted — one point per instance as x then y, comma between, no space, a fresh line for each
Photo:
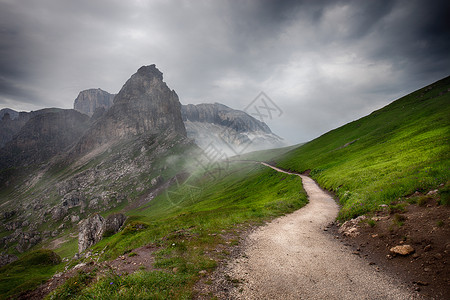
323,63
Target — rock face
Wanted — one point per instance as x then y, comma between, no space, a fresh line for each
46,134
232,131
11,122
144,105
90,232
90,100
224,116
11,112
113,223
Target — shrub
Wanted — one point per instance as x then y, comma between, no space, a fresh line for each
444,195
134,227
397,208
399,219
371,222
39,257
422,201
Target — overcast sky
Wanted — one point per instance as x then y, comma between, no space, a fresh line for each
323,63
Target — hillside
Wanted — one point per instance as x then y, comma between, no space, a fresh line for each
391,153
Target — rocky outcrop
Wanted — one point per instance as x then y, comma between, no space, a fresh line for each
144,105
10,124
226,130
90,232
46,134
28,240
113,223
95,227
7,259
89,100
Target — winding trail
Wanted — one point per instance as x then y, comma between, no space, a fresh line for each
293,258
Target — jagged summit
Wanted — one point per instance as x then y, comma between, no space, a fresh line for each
145,104
150,71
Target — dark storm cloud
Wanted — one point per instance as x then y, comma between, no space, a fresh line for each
323,62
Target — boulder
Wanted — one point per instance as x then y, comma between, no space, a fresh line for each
59,212
90,231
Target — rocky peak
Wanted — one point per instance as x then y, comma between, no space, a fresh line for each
89,100
145,104
150,71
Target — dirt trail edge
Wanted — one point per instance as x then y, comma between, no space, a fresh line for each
293,258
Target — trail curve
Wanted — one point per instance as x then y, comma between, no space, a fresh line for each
292,257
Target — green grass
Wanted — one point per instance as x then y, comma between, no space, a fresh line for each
264,155
140,285
68,248
186,224
393,152
28,272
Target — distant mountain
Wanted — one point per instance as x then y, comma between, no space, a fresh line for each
12,121
232,131
90,100
47,133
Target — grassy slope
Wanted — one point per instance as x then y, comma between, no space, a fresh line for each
188,223
20,279
397,150
31,269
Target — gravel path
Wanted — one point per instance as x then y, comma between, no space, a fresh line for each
293,258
